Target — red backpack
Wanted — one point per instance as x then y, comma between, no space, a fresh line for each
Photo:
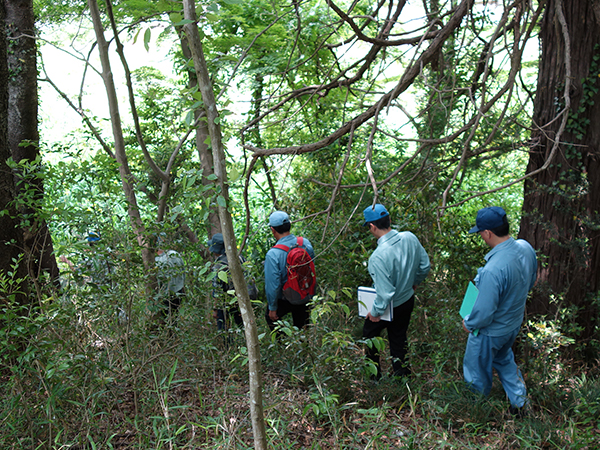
301,279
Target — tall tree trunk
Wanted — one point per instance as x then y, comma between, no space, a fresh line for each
11,238
23,135
115,118
202,136
561,210
237,275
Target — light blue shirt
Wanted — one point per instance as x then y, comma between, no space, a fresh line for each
504,282
171,271
398,263
275,270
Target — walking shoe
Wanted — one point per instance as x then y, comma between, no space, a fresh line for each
518,412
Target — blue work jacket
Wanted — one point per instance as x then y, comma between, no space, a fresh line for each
504,282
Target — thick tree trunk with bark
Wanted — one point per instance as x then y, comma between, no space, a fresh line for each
11,238
23,134
561,210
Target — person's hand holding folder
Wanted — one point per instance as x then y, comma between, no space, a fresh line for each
467,305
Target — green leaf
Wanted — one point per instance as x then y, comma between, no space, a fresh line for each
189,118
222,276
212,18
135,37
175,18
147,36
221,201
234,174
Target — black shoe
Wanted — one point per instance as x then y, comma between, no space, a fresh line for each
518,413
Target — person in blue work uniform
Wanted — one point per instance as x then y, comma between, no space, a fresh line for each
503,283
276,273
397,266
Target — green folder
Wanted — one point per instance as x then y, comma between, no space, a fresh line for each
469,302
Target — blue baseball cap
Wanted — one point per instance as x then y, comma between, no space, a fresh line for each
278,218
93,236
374,213
217,245
488,219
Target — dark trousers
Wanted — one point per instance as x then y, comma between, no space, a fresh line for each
396,329
300,313
170,306
224,317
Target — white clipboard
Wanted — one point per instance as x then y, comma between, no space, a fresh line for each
366,297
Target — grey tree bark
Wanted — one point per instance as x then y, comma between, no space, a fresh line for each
127,180
23,136
11,238
241,289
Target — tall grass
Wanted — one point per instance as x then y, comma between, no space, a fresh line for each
87,378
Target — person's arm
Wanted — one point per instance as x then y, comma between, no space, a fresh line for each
383,287
272,278
486,304
424,265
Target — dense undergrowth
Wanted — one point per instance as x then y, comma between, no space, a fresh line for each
80,373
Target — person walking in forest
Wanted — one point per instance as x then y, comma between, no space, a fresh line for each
226,307
397,266
289,287
95,269
171,280
494,322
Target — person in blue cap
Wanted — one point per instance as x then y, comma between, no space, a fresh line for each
95,269
503,283
397,266
276,273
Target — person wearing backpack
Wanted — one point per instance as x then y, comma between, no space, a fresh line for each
290,278
226,306
397,266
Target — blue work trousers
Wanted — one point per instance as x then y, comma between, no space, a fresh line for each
485,353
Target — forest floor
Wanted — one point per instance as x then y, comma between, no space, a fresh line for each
187,387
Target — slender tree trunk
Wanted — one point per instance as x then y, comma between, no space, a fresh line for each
11,238
561,210
23,135
241,289
115,118
202,136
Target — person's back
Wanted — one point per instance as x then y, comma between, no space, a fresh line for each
171,271
511,268
276,273
403,260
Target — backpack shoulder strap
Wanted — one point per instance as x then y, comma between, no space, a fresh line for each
285,248
299,241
